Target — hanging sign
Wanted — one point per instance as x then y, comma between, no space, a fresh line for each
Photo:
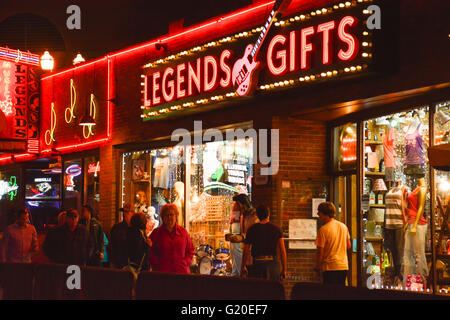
9,188
19,99
297,50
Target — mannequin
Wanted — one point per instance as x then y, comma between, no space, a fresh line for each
161,169
140,202
396,203
389,153
416,228
152,221
179,201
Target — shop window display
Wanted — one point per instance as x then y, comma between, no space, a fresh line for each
72,179
151,179
201,180
92,182
397,245
43,196
442,202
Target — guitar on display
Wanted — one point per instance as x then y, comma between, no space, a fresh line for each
245,70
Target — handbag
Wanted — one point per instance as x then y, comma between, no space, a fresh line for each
133,268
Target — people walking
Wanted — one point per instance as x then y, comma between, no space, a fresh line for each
19,240
69,243
96,239
172,249
262,241
333,241
118,255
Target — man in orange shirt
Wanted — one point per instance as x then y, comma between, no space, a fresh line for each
333,241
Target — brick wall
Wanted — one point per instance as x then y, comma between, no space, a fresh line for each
303,171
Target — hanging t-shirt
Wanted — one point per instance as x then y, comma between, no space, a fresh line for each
161,167
414,147
389,149
372,160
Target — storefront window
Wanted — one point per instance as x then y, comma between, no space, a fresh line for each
153,178
209,174
92,182
397,239
73,177
9,196
442,123
442,201
345,138
42,196
225,170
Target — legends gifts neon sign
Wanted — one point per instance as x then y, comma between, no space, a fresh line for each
291,52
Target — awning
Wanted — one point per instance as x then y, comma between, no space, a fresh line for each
440,156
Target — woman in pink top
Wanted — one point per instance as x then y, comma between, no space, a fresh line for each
172,248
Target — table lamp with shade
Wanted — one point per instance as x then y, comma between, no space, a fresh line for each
380,188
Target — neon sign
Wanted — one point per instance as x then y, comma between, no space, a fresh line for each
94,168
18,56
49,134
87,130
72,171
13,99
69,112
299,50
9,187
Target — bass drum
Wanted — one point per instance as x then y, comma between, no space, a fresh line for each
204,250
205,265
218,267
218,272
222,254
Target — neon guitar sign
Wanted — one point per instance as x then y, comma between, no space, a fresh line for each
302,49
245,70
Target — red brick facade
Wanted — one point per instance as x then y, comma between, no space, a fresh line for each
303,166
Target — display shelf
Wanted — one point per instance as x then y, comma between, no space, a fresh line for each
142,180
373,142
368,238
443,256
377,205
377,174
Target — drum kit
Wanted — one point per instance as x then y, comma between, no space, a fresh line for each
210,261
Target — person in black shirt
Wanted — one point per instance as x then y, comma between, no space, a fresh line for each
264,238
118,245
69,243
95,230
137,242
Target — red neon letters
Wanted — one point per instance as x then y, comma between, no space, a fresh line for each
276,52
192,78
291,52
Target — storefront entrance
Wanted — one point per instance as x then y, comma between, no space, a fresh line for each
345,198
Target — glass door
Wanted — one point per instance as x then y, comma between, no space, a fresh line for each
345,201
